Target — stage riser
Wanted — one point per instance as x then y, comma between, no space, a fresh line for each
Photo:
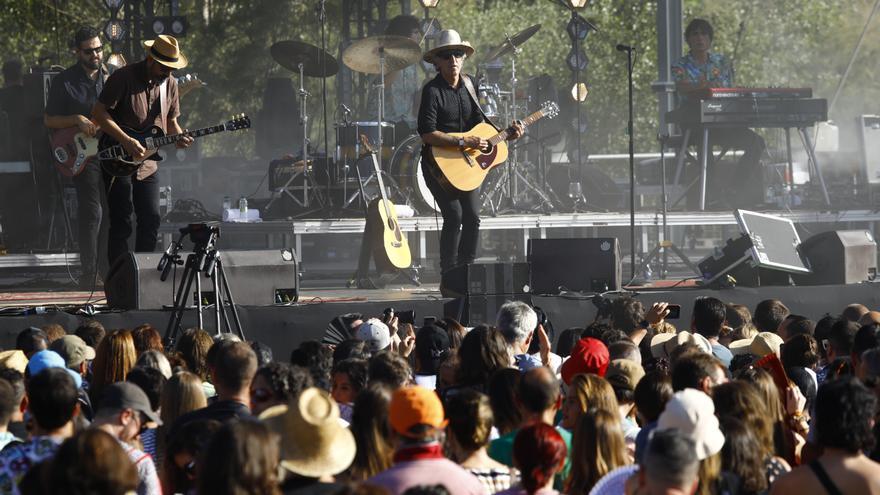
284,327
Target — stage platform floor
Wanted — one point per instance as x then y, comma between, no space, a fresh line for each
283,327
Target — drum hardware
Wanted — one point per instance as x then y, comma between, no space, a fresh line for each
311,61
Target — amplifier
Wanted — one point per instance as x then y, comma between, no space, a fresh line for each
486,279
474,310
583,265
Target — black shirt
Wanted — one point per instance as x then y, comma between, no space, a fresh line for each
447,109
73,92
224,411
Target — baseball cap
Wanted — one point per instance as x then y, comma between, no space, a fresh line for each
432,344
73,349
624,373
692,412
125,395
51,359
375,333
411,406
589,355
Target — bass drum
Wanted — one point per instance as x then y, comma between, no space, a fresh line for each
406,169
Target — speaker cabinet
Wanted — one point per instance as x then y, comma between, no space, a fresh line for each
475,310
486,279
256,278
582,265
839,257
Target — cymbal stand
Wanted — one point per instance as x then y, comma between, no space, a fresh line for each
308,179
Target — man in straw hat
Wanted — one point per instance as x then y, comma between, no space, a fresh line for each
449,104
137,96
417,419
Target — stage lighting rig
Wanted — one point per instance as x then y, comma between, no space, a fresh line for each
429,4
113,5
578,4
115,31
175,25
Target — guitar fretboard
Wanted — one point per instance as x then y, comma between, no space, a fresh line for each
164,140
503,135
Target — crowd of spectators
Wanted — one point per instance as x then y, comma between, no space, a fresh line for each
734,402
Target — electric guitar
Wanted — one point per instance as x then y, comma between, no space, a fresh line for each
390,244
117,162
73,149
466,169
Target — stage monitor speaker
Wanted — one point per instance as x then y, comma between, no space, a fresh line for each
256,278
839,257
581,265
483,279
475,310
869,141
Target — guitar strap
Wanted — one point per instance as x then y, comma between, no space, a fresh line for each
163,102
469,85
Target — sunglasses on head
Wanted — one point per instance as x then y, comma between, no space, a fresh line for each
447,54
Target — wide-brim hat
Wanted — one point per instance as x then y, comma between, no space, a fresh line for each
663,344
741,346
313,441
165,50
766,342
693,413
449,39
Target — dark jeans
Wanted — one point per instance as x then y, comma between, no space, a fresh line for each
92,229
461,221
127,195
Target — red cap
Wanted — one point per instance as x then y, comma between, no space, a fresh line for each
589,355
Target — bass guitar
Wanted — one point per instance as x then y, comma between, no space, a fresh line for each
73,149
390,246
117,162
466,169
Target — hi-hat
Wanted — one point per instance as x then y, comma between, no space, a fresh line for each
512,43
363,55
316,62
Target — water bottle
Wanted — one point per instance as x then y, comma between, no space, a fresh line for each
242,208
227,203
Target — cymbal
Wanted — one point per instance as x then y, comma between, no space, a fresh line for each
290,53
363,54
512,43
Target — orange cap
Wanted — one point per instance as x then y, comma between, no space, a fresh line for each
411,406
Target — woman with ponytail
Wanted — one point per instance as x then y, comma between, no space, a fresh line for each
538,453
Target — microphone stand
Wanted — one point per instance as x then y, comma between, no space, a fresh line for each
322,16
632,162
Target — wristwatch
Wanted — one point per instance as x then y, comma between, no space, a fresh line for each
461,143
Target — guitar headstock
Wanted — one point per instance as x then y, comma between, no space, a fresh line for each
550,109
187,83
238,122
365,143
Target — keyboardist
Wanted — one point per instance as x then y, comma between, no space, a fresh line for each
702,68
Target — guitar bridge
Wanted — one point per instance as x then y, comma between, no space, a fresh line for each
467,157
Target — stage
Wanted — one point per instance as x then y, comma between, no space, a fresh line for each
283,327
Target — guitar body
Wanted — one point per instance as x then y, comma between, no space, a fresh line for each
453,170
72,150
121,163
390,245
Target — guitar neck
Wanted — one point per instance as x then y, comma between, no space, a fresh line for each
504,134
173,138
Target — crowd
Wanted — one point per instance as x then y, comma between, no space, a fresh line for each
738,402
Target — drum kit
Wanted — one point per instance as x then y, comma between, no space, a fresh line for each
399,157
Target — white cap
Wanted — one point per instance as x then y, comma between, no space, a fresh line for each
375,333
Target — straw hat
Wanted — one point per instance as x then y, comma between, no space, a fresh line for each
313,442
766,342
663,344
13,359
164,50
449,40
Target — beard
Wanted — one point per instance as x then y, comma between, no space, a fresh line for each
91,64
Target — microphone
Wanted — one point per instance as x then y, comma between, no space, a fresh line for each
624,48
345,108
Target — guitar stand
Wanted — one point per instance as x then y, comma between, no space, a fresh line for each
207,261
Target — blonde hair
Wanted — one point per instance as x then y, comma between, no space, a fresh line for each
182,393
593,392
597,448
708,474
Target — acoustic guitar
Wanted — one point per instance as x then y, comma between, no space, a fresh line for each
466,169
391,247
73,149
118,163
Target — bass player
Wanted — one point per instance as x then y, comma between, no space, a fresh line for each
71,97
448,105
137,96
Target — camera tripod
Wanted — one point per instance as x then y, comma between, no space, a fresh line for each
205,259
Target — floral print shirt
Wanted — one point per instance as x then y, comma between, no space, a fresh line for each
717,71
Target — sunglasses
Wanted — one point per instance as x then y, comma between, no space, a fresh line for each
446,55
92,51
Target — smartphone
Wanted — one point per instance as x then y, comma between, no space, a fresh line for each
674,311
407,317
429,320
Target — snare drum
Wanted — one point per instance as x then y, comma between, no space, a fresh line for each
348,143
405,168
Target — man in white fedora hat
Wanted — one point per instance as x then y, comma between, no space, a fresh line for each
449,104
139,95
